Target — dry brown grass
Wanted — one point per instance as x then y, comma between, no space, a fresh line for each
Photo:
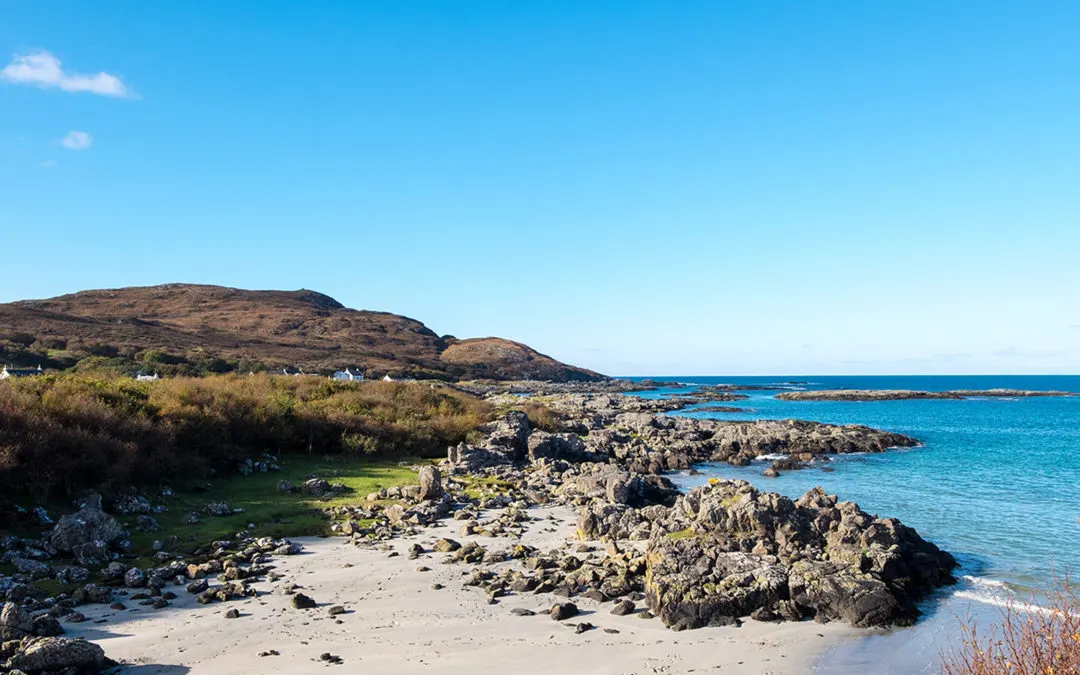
1027,642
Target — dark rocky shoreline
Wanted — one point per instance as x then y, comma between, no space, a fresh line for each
716,555
905,394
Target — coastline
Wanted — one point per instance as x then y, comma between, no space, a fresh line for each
395,622
608,473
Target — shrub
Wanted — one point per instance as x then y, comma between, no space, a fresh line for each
61,434
1030,640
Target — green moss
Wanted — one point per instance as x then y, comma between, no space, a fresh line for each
53,587
688,533
728,502
480,488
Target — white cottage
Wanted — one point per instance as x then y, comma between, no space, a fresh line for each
348,376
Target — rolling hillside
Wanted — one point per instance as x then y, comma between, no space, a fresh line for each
190,329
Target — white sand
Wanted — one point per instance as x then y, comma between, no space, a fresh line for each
397,624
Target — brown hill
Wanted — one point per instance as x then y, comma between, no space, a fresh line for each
212,328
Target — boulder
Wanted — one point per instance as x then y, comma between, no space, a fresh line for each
316,487
568,447
14,622
130,505
146,524
31,567
91,553
431,487
84,526
301,601
134,578
623,608
114,571
47,626
509,433
446,545
48,654
218,509
470,459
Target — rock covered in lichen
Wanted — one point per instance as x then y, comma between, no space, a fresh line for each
731,550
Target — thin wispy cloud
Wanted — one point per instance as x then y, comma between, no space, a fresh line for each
77,140
48,164
42,69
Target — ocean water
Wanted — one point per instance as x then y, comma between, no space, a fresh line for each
996,482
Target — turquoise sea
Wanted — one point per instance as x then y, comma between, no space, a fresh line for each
996,482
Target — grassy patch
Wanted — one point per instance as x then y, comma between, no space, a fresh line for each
688,533
272,513
479,488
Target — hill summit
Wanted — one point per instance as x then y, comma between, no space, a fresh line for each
191,328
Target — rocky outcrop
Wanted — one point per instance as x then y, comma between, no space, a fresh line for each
732,551
505,441
509,433
907,394
649,443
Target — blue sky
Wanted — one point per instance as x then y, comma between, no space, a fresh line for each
638,187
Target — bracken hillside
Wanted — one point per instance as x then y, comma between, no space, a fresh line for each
187,329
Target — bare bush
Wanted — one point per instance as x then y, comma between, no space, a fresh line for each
1030,640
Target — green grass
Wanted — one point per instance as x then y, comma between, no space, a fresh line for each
480,488
273,513
688,533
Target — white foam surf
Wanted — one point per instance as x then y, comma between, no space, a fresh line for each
996,593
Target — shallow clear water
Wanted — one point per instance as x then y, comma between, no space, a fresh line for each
996,482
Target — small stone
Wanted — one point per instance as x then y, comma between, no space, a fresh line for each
582,627
623,608
301,601
336,610
521,611
564,611
446,545
232,614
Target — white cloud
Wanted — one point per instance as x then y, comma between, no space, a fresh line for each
42,69
48,164
77,140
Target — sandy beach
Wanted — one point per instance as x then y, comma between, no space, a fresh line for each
396,623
